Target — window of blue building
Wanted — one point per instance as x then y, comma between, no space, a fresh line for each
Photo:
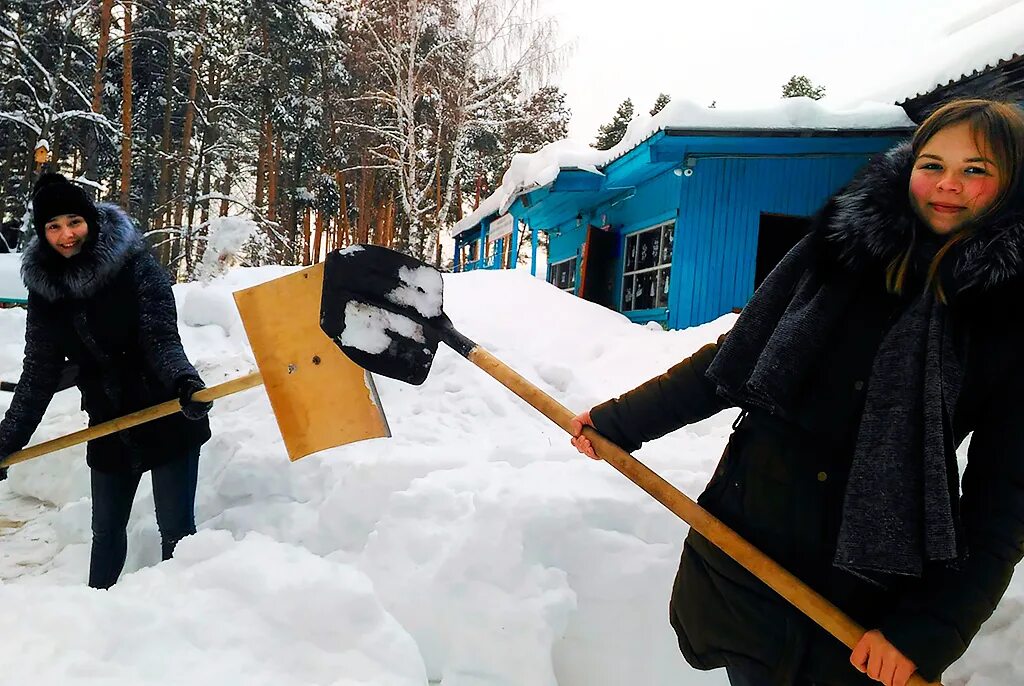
469,251
647,268
563,275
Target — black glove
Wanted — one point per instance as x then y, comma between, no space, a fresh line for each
3,473
192,409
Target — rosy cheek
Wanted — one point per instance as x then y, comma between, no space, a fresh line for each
921,188
982,191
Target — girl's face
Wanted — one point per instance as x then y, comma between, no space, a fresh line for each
953,181
66,234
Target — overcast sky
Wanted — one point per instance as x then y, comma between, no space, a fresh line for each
737,52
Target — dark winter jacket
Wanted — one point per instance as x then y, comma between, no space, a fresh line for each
781,483
110,311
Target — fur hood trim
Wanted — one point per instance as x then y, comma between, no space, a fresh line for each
54,277
871,222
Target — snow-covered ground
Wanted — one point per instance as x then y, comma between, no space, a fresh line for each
473,548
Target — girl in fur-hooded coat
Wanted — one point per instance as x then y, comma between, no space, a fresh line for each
99,299
875,347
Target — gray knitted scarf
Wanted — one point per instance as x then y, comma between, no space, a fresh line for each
897,509
900,506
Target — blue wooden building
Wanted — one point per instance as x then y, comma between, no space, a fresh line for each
682,224
491,243
682,227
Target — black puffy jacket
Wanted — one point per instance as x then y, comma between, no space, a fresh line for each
781,484
110,311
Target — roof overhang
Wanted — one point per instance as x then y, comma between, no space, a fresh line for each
577,191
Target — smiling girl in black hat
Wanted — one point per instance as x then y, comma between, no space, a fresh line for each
99,299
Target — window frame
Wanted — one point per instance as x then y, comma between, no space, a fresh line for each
575,270
630,272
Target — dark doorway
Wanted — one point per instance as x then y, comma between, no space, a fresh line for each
776,234
596,273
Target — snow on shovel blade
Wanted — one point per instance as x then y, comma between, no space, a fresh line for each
383,308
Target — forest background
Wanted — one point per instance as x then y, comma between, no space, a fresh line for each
321,122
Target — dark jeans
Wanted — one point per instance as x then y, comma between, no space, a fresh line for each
174,493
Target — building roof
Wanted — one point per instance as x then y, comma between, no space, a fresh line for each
787,116
979,41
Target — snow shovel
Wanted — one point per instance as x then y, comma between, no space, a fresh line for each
385,311
320,398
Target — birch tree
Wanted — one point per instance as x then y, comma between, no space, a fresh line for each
441,66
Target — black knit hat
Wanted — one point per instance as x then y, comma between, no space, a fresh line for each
54,195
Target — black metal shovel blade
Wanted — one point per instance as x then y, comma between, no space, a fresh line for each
382,309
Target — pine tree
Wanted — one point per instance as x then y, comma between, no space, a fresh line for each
610,134
304,117
801,86
659,104
515,125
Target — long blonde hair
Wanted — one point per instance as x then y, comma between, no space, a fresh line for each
1000,125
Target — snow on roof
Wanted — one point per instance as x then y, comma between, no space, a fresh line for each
979,40
529,171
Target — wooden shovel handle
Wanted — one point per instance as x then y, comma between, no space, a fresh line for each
134,419
808,601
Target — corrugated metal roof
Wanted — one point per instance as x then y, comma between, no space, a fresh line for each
978,42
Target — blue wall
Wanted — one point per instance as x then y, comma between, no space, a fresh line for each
651,203
717,230
478,235
717,211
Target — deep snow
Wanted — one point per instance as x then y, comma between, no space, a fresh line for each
473,548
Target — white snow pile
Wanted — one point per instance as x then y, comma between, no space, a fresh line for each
529,171
11,286
474,548
421,290
982,38
225,239
367,328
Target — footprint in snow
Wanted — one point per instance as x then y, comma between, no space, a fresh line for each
556,376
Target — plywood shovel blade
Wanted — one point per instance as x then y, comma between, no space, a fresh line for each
320,398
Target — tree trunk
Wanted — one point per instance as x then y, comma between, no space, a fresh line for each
210,135
318,236
342,235
204,207
190,245
145,195
307,246
290,179
225,188
262,164
264,146
274,160
90,145
366,206
389,223
101,53
126,110
186,135
164,186
204,162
